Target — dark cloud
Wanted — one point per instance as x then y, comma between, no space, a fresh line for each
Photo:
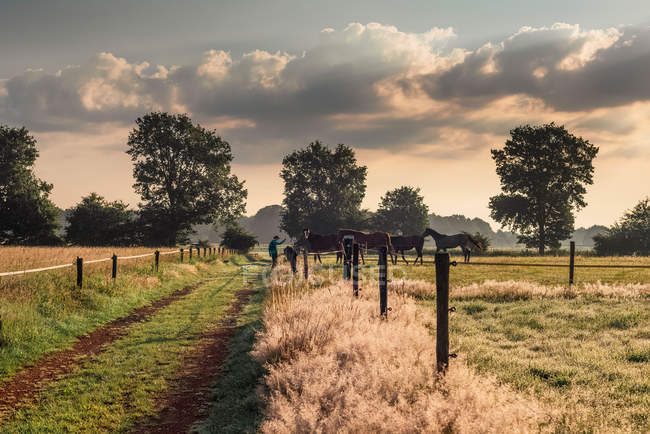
562,66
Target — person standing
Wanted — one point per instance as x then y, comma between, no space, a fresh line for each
273,249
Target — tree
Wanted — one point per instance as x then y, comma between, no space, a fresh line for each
182,173
629,236
543,172
27,216
322,189
483,240
235,237
402,212
96,222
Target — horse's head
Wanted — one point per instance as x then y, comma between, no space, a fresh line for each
306,233
429,231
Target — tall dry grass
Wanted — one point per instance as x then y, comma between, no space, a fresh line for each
518,290
335,366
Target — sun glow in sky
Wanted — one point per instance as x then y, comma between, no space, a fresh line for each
421,91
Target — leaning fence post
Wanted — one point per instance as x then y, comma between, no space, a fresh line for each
355,269
190,253
442,311
204,249
157,253
347,256
181,255
383,282
572,255
114,272
305,264
80,271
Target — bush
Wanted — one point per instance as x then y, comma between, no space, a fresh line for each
630,236
235,237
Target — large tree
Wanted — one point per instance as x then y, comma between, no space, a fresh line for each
402,212
323,189
543,172
182,173
630,235
97,222
27,216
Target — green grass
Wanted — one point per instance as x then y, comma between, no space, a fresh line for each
46,312
585,355
118,387
237,407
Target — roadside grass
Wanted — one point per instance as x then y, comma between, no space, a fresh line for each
237,406
583,351
119,386
45,312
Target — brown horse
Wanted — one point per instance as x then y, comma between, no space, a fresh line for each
444,242
316,243
401,244
366,240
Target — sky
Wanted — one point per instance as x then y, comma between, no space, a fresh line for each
422,90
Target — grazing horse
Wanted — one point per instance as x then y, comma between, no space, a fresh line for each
444,242
316,243
365,240
291,255
401,244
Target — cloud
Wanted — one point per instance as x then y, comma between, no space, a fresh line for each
371,86
569,69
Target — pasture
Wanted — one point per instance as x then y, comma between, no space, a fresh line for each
583,353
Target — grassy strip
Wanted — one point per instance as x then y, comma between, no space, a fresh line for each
237,405
119,386
47,313
585,356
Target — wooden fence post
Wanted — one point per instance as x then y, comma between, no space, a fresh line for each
442,311
114,271
181,255
572,255
383,282
80,271
355,269
204,249
305,264
157,259
190,253
347,256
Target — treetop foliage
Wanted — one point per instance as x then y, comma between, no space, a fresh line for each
630,235
27,216
323,189
543,172
182,173
237,238
97,222
402,211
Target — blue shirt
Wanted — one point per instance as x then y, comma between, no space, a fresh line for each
273,246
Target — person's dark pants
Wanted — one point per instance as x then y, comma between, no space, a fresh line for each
274,257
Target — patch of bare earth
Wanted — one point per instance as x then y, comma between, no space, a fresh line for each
25,385
189,395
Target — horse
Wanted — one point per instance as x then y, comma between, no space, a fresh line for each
365,240
403,243
444,242
291,255
316,243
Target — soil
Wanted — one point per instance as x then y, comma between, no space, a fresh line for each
189,395
25,385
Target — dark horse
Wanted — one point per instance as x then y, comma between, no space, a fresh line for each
366,240
401,244
316,243
291,255
444,242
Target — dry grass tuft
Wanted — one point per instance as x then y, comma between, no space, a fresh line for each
334,366
521,290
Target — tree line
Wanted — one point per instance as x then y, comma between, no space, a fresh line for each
183,176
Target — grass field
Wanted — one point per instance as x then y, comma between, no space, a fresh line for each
582,351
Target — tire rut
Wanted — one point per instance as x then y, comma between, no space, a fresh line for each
189,395
26,384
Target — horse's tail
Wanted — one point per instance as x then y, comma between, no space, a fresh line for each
476,243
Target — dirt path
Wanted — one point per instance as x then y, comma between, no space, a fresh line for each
190,393
25,385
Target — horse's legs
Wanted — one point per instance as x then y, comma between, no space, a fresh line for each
407,262
363,260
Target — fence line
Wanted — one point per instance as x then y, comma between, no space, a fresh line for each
92,261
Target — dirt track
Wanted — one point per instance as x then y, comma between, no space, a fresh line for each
189,395
24,386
